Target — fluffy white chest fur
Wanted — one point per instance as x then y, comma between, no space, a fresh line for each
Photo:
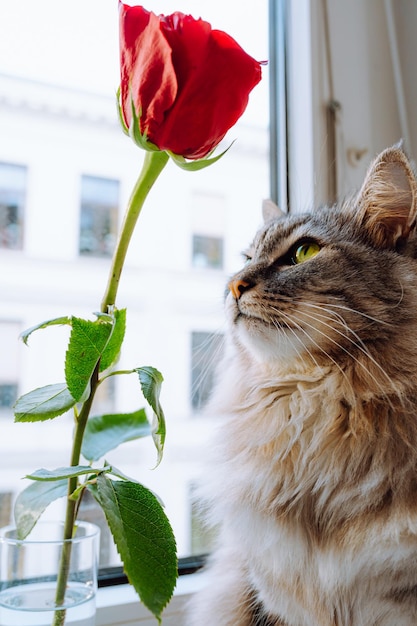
300,533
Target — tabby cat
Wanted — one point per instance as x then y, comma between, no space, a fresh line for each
313,484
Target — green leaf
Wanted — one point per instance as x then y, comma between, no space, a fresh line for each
65,472
112,349
144,539
198,164
58,321
43,403
119,111
32,501
151,381
87,342
104,317
114,471
119,474
135,134
105,432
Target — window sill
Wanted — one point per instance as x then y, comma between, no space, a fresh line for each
119,605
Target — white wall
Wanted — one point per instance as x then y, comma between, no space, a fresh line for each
353,61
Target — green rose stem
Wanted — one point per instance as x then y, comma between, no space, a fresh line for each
72,505
153,165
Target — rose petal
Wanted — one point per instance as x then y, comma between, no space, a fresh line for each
147,73
215,77
189,83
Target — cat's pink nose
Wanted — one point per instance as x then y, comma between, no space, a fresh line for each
237,287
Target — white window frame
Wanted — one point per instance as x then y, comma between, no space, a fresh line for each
300,99
120,606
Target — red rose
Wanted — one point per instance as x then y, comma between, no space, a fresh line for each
189,83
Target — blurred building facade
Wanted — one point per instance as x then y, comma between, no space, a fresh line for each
66,172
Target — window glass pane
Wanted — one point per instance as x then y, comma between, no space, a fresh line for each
98,220
12,204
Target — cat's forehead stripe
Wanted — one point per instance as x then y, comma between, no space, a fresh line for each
280,235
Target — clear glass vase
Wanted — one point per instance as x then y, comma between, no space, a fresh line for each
29,574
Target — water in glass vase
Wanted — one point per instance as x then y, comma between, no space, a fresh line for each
31,572
33,605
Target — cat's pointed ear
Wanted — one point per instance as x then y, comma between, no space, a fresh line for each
270,211
387,202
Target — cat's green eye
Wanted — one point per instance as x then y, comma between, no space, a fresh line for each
305,251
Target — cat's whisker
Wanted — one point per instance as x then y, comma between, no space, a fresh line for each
349,309
292,319
335,317
358,342
320,308
295,341
343,307
354,358
207,366
315,343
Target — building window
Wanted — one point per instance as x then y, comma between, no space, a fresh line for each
207,252
206,351
208,215
8,395
99,216
12,203
6,512
9,368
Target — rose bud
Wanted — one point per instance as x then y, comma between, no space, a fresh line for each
187,83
